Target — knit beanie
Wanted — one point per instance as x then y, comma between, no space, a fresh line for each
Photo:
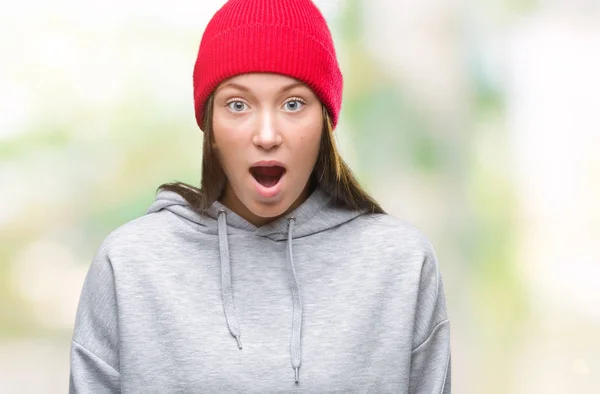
287,37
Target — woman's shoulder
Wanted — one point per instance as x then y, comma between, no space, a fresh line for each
392,233
383,224
397,240
139,233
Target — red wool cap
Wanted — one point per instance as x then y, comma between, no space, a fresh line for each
288,37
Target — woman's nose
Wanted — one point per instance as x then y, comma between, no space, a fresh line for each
267,135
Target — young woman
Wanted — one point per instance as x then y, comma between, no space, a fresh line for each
280,273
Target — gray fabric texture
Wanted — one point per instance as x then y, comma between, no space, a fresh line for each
324,300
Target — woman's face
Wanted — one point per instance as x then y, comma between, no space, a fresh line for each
267,131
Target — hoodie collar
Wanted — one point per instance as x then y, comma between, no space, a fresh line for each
314,215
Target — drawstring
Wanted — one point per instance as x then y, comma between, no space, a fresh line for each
295,345
226,290
227,293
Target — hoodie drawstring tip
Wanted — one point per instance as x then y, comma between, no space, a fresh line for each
239,341
297,373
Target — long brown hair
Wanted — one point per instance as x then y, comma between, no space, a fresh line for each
330,173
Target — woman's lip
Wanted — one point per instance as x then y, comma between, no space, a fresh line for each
268,163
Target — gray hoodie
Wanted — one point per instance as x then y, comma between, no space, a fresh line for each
324,300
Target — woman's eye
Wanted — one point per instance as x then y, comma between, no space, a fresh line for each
237,106
293,105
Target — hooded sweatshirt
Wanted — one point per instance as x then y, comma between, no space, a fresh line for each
323,300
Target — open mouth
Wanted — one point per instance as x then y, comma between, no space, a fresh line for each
268,176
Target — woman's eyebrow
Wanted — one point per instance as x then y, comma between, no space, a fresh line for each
234,86
291,86
243,88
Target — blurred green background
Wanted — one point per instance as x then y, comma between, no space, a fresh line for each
478,122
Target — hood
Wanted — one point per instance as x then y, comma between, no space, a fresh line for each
316,214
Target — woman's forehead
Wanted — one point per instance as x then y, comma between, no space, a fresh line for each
261,82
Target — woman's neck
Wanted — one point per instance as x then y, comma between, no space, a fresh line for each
231,201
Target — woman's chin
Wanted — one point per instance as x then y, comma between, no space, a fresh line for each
263,203
269,209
